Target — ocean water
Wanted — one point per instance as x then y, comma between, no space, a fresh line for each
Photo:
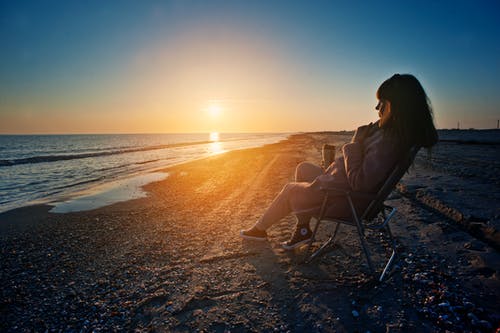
42,168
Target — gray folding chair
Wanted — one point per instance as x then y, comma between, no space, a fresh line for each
366,219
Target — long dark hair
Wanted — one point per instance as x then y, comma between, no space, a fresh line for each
411,114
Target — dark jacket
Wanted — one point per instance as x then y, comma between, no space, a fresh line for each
364,167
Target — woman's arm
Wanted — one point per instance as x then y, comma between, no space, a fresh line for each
368,162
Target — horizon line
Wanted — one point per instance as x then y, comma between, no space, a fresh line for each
243,132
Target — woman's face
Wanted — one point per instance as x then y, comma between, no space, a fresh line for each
384,111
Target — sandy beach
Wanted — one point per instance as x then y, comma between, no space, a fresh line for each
173,261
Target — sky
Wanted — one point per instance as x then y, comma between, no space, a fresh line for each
240,66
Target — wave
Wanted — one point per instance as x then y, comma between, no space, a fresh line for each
83,182
55,158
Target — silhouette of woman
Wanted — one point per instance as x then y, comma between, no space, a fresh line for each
405,120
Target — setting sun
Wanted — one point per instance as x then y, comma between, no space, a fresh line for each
214,110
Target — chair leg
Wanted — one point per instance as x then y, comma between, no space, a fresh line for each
323,247
387,266
309,245
336,230
393,254
366,251
313,237
361,234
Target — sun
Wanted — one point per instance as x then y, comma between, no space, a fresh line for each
214,110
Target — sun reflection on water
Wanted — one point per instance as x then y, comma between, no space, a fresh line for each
214,136
215,147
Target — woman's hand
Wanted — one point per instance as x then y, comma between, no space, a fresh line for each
320,181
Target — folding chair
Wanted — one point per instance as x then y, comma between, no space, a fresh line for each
367,219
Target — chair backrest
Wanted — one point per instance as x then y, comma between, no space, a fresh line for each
399,170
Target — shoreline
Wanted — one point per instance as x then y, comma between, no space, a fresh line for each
45,206
107,194
173,261
61,178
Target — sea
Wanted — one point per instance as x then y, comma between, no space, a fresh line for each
52,168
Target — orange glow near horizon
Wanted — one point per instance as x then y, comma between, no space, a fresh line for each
195,83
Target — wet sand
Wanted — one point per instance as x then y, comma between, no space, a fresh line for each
173,261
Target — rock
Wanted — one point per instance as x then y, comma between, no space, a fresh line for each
443,317
472,317
197,312
444,305
468,306
475,245
484,324
355,313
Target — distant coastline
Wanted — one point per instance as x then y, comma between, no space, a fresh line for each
470,136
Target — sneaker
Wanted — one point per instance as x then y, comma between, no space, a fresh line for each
300,237
254,234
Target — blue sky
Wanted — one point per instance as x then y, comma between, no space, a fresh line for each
154,66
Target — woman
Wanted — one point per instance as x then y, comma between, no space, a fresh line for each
405,121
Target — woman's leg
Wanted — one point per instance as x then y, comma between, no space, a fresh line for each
279,208
306,172
293,196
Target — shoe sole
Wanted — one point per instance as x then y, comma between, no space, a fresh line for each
296,245
260,239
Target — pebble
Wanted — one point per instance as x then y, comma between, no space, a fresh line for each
484,324
444,305
475,246
441,301
197,312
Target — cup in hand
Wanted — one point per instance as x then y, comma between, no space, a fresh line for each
328,154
